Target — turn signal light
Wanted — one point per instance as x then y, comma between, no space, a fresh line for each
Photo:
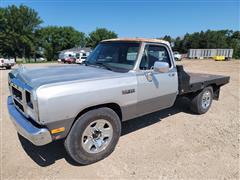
58,130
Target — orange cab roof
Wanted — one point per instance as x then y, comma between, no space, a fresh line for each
138,40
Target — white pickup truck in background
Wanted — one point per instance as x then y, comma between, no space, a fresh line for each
7,63
177,56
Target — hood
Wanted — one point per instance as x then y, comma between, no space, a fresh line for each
36,77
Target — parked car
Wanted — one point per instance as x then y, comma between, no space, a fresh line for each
86,105
70,60
81,58
67,57
7,62
177,56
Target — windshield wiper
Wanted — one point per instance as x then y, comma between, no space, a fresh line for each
99,64
103,65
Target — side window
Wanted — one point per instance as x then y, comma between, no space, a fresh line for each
153,53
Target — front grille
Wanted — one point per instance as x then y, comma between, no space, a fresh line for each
19,105
16,93
22,98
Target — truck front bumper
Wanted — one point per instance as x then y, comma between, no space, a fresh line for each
38,136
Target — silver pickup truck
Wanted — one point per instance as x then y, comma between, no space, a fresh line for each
86,104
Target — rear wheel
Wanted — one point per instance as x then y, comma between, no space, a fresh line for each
202,101
93,136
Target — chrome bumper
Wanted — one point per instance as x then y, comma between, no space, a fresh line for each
38,136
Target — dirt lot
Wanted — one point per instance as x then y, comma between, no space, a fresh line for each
172,143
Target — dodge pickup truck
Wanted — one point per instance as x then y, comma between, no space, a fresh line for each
85,105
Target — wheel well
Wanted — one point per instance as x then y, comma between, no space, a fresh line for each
216,91
115,107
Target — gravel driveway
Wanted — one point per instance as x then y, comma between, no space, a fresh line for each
172,143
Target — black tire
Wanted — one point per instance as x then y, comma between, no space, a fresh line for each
73,142
196,103
8,67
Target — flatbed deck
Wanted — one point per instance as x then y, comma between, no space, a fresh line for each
200,81
193,82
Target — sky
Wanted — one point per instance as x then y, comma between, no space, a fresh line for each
138,18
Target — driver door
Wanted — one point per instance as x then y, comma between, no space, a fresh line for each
156,90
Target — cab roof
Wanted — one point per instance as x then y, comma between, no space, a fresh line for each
138,40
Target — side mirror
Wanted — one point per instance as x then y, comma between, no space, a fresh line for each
162,67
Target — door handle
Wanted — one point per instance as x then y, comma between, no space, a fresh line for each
149,76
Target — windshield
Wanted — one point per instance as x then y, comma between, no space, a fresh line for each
115,56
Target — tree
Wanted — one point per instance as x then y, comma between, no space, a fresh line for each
167,38
17,29
235,44
177,44
98,35
209,40
54,39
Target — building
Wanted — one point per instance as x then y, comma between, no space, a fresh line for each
209,53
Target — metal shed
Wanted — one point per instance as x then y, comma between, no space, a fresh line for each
209,53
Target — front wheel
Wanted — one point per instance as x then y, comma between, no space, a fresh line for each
93,136
202,101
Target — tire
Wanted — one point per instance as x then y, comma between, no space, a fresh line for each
8,67
78,141
198,104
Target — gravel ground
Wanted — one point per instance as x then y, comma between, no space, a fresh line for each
172,143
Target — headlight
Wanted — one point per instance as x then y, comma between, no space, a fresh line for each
32,106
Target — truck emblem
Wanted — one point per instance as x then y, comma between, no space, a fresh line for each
128,91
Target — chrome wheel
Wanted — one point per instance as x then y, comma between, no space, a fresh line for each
97,136
206,99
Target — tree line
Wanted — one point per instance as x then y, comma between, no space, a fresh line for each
222,39
22,36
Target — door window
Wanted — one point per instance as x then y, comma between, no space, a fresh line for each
153,53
